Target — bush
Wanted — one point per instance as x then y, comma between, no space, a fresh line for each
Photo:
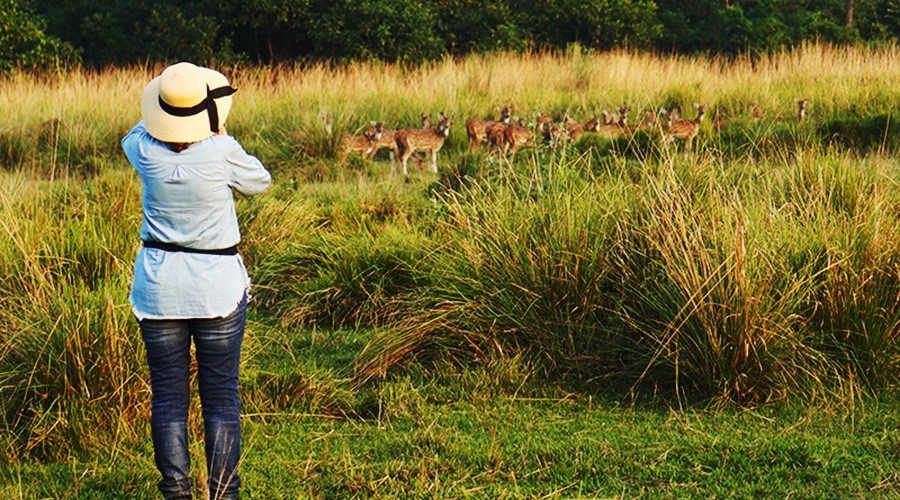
25,44
879,132
390,30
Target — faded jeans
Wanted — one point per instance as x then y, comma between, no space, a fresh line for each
218,346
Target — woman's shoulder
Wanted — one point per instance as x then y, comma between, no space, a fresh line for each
221,144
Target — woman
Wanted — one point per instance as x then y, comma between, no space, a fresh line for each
189,279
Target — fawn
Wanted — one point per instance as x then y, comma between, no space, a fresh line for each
477,129
495,134
517,135
361,143
431,140
684,129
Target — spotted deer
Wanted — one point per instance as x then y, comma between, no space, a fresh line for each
557,132
684,129
543,123
386,140
615,125
575,130
509,137
756,113
429,140
477,129
518,135
361,143
801,109
495,135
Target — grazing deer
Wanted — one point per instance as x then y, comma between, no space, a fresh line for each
361,143
614,126
477,129
684,129
431,140
518,135
801,109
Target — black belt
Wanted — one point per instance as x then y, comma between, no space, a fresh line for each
169,247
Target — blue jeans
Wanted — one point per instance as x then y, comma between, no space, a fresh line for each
218,345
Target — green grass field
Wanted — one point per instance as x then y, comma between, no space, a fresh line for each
605,319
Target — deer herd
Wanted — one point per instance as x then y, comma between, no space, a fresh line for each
506,135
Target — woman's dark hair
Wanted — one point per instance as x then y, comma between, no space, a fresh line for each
178,146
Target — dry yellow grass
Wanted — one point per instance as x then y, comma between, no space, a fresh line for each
93,105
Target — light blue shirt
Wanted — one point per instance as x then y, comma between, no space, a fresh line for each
188,200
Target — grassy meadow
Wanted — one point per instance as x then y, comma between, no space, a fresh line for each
609,318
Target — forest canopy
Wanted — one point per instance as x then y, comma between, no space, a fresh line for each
50,33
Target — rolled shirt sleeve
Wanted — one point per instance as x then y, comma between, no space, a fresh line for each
246,174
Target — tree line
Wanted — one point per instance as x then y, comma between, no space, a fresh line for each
94,33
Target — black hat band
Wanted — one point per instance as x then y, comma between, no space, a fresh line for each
208,105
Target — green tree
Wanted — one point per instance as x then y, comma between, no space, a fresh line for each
601,24
478,26
24,43
129,31
388,30
264,30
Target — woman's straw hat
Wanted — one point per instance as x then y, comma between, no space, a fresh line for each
186,103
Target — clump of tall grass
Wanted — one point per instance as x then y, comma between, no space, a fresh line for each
525,272
69,345
342,281
705,286
684,279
